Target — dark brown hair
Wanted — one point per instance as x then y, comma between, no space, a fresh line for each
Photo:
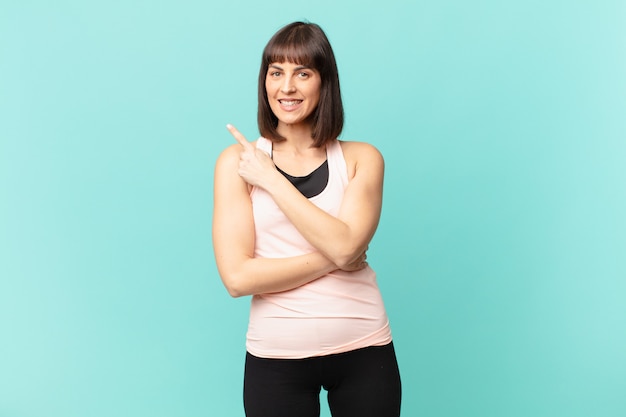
304,44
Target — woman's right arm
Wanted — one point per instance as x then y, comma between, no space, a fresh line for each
233,240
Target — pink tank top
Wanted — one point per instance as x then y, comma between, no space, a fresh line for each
336,313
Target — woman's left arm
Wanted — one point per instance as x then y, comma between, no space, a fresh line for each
341,239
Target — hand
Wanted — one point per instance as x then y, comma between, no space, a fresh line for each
255,166
358,264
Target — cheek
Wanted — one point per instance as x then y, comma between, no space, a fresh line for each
318,90
317,93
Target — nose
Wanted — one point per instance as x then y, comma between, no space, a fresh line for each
287,86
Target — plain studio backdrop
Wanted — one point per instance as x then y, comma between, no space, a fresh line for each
502,244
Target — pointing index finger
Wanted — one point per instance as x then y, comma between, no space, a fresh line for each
239,137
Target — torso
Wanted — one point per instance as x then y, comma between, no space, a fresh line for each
336,313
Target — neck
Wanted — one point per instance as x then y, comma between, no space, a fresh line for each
298,136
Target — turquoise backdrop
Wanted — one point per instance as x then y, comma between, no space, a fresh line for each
501,250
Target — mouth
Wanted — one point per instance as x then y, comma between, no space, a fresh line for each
289,103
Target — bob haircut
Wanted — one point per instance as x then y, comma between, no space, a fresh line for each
304,44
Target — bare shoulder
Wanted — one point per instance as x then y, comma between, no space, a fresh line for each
359,148
227,170
230,156
361,155
232,151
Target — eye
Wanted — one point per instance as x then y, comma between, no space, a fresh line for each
303,75
274,74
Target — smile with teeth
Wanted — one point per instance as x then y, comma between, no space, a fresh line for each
289,103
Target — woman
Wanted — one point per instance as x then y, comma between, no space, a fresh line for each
294,214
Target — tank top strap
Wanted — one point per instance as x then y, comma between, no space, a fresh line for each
336,162
265,145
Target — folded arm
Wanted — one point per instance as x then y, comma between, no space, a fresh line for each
233,241
344,238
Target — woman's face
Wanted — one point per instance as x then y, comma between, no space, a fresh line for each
293,92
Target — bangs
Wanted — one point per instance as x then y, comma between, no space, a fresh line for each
295,47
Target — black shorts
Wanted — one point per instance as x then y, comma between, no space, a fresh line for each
360,383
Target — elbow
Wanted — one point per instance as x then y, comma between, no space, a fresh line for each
235,278
234,286
343,259
234,292
342,263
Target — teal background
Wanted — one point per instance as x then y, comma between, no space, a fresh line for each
501,247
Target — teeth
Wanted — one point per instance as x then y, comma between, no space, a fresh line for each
290,102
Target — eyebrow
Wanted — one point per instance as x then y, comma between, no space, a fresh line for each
298,68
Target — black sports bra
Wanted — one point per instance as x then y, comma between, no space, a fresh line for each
312,184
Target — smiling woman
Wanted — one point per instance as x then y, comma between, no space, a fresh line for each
295,238
293,92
